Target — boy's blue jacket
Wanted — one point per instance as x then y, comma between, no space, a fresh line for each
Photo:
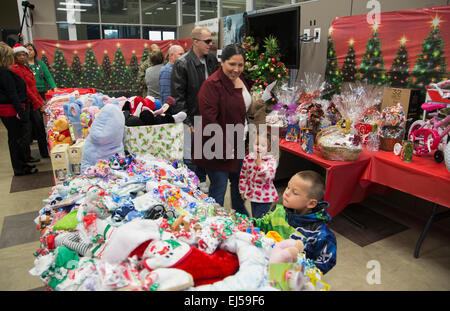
319,241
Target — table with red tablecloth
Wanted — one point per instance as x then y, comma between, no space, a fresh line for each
375,171
342,177
423,177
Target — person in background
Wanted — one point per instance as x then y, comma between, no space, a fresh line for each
36,123
175,51
143,68
13,112
188,73
303,217
152,73
44,79
222,101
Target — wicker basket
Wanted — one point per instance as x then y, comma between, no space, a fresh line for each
387,144
337,153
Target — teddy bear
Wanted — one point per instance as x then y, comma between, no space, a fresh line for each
62,132
286,251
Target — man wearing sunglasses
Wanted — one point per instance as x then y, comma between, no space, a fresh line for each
188,73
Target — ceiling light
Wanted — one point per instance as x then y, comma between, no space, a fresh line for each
76,10
73,3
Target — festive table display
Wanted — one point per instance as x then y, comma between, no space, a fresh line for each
142,224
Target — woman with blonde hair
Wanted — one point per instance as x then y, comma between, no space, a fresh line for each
14,112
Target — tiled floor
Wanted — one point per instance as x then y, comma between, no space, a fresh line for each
385,246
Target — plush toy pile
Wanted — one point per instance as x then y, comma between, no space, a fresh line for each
141,223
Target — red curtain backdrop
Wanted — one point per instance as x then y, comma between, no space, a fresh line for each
414,25
128,46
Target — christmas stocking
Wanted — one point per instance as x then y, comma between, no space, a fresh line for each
204,268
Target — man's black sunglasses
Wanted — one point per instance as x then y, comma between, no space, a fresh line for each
207,41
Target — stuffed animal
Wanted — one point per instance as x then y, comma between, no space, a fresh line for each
61,132
257,112
86,122
148,111
105,137
286,251
73,110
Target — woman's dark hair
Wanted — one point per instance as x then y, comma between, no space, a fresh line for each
230,50
34,49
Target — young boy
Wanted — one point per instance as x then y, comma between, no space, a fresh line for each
302,216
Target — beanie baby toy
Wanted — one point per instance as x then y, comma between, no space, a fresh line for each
148,111
72,109
105,138
61,133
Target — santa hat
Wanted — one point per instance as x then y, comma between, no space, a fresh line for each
19,48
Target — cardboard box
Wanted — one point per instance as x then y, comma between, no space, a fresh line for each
75,156
60,162
409,98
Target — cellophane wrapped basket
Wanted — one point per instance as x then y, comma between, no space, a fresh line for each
343,142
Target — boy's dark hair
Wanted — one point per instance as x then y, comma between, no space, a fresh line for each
156,57
317,189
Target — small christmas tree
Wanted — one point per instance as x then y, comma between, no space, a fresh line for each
251,57
430,63
107,75
269,67
91,77
372,66
62,73
349,69
122,78
134,70
44,58
333,75
145,53
398,75
77,70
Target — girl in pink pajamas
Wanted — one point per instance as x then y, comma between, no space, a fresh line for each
256,178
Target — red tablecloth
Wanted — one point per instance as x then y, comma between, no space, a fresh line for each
342,180
50,94
423,177
377,172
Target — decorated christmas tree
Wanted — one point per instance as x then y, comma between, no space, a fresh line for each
349,69
107,75
91,77
398,75
44,58
134,69
122,78
430,63
251,57
145,53
333,75
371,70
269,67
62,73
77,70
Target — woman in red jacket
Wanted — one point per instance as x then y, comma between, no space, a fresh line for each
36,124
223,101
13,97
